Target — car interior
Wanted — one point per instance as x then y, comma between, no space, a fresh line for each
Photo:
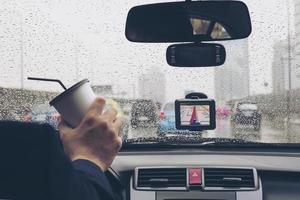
200,147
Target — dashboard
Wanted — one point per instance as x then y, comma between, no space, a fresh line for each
208,175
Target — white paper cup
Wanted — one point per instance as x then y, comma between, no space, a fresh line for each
74,103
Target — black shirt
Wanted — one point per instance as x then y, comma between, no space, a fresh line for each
89,182
33,166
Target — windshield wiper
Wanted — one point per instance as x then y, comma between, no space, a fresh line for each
188,142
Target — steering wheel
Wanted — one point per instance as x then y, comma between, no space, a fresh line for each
116,184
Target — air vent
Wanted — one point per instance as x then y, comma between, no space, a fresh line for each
230,178
153,178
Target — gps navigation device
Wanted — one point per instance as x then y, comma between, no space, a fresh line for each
195,114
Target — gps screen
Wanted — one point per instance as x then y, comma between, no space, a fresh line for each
194,115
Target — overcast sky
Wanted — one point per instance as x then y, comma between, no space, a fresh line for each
75,39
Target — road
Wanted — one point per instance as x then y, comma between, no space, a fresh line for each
267,134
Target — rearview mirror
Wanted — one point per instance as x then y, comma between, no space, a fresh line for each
196,55
188,22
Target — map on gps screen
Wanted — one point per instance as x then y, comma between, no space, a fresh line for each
195,115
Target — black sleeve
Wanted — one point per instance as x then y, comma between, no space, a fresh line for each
34,166
88,182
77,180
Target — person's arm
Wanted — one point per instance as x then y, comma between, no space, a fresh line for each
88,182
92,147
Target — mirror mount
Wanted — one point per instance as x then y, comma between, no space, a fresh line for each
196,95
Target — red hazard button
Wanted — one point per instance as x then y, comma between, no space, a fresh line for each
195,176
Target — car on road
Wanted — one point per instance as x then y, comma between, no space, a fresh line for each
246,113
223,112
144,113
167,119
114,104
42,113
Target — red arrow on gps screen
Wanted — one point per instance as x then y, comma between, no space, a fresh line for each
194,118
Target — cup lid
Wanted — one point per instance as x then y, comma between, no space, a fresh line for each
68,91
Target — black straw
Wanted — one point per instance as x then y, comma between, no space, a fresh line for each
47,79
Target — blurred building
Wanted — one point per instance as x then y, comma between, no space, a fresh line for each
103,90
280,67
152,85
296,44
232,78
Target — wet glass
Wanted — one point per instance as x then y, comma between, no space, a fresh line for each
73,40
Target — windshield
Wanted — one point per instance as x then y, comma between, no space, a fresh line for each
248,107
170,107
42,108
74,40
